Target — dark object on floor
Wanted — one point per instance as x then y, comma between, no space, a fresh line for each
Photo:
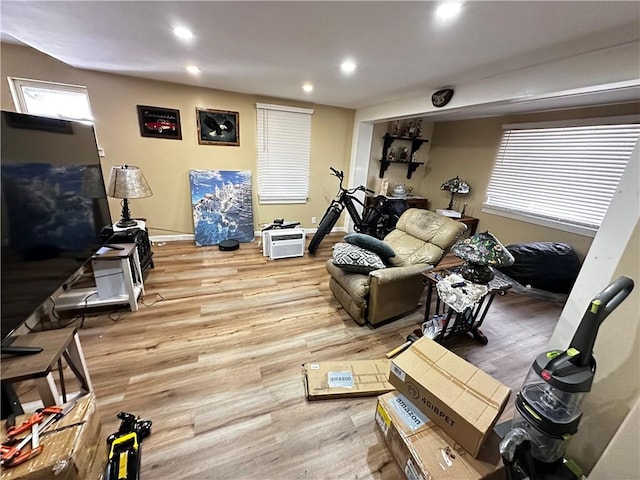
228,245
548,266
124,448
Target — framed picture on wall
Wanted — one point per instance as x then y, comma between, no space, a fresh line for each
159,122
218,127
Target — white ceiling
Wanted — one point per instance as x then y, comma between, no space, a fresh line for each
272,48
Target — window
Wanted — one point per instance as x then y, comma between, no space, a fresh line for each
37,97
284,146
562,176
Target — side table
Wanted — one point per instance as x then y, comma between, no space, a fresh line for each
470,222
118,277
137,234
469,320
56,345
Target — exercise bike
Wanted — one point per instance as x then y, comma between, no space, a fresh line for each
377,220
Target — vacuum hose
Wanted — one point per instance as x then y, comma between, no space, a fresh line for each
516,445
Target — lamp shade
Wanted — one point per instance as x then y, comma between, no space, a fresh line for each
455,185
127,181
483,249
480,252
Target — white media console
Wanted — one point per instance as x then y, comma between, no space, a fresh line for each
118,276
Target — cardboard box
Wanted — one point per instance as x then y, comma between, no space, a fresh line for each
424,451
69,446
460,398
356,378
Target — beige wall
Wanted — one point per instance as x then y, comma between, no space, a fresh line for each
464,148
397,172
166,163
468,149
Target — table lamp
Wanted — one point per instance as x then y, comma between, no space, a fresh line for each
480,252
127,181
455,185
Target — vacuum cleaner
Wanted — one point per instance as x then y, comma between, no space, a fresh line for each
548,404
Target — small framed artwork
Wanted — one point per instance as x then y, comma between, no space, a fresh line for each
159,122
218,127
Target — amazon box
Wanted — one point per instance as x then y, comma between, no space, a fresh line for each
424,451
461,399
69,447
343,379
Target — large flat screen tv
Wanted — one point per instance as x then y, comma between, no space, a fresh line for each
54,205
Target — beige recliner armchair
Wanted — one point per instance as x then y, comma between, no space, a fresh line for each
419,241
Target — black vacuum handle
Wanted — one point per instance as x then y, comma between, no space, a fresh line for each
601,306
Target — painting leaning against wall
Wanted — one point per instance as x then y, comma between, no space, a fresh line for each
222,206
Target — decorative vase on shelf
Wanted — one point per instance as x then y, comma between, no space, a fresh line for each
384,187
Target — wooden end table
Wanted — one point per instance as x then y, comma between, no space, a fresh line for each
55,344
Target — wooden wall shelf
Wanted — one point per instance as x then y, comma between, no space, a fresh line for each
416,143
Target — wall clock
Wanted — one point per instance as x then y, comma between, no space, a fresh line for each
441,97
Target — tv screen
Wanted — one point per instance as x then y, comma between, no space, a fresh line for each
54,205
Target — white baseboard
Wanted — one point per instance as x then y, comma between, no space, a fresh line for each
171,238
190,236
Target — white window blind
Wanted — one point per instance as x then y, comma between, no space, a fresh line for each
563,176
284,150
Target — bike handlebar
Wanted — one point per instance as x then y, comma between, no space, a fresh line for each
340,175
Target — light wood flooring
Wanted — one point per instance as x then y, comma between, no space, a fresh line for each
213,357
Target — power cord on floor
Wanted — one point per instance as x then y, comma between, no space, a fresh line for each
159,298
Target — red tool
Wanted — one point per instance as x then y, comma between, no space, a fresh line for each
36,418
11,455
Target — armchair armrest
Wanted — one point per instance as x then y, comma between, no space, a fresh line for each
394,291
393,274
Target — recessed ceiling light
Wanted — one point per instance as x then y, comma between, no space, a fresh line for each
348,66
183,33
307,87
448,10
193,69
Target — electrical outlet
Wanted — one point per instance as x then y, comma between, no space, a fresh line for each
313,220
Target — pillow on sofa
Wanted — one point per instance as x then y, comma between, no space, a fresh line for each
355,259
370,243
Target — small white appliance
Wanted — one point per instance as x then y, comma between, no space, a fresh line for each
283,243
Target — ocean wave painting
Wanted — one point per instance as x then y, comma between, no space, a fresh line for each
221,202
